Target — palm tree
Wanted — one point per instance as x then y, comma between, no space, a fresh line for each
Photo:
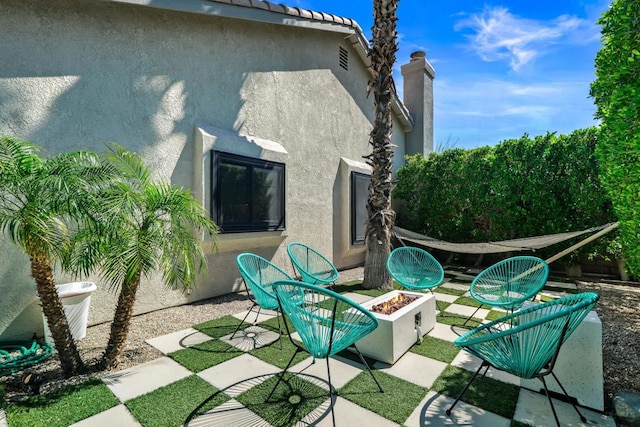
146,227
40,200
380,215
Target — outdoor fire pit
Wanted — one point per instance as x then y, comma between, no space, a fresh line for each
403,318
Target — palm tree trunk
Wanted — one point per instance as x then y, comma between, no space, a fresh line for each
68,354
120,324
380,215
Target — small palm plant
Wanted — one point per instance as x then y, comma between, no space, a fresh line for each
41,203
143,227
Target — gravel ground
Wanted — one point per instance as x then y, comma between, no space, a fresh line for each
618,308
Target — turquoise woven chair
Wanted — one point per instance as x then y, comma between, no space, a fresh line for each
415,269
327,323
259,275
526,343
311,265
509,283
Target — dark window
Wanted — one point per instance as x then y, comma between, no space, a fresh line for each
247,193
359,196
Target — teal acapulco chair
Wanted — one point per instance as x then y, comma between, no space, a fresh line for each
509,283
326,321
526,343
259,275
415,269
311,265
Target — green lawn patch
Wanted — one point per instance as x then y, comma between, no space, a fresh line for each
435,348
205,355
458,320
62,407
449,291
468,301
486,393
272,325
398,401
176,403
272,354
496,314
220,327
292,400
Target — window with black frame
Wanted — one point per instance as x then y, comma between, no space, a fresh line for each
359,192
247,193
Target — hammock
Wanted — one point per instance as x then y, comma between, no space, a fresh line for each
524,244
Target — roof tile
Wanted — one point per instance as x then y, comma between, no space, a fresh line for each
259,4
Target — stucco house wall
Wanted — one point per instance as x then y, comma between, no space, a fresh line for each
173,85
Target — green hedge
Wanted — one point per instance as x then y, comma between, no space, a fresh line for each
518,188
617,96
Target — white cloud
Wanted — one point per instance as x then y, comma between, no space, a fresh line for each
478,110
498,35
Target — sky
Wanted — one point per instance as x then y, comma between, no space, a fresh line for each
503,69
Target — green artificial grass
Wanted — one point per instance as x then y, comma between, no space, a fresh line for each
468,301
62,407
442,305
272,325
399,400
218,328
486,393
272,354
177,403
449,291
458,320
205,355
435,348
496,314
294,399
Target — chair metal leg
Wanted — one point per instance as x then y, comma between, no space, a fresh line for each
553,409
280,327
242,321
467,386
331,401
368,368
582,417
473,314
282,374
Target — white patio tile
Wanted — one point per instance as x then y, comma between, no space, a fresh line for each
238,374
446,332
467,311
116,416
138,380
471,363
3,419
445,297
251,338
350,414
254,316
432,412
178,340
230,413
533,409
414,368
342,370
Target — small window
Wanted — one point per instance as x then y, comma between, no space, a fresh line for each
359,198
247,193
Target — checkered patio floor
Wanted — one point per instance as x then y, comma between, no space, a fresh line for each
234,374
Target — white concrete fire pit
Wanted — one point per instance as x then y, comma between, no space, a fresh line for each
398,331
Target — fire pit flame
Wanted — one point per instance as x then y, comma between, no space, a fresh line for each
393,304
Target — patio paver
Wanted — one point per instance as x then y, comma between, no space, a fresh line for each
138,380
342,370
116,416
349,414
178,340
414,368
233,372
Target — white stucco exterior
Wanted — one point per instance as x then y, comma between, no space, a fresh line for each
171,85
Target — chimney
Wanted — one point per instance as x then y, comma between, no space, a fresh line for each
418,77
